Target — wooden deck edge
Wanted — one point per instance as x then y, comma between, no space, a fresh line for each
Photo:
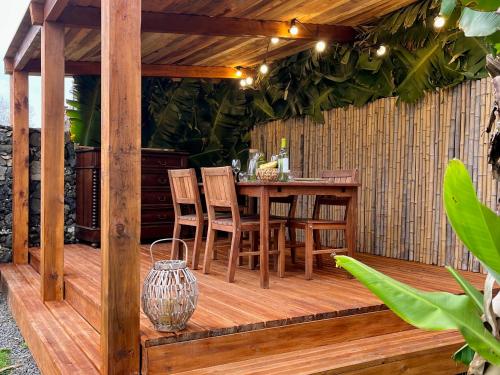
52,347
417,352
269,341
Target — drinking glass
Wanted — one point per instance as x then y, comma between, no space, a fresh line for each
236,165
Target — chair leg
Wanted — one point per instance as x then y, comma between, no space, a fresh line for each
309,245
317,245
175,244
214,253
254,246
293,241
281,250
276,234
209,249
233,255
198,237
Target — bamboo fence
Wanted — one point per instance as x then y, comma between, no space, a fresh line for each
401,152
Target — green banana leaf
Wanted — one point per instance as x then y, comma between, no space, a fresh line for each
475,224
427,310
475,23
468,288
464,355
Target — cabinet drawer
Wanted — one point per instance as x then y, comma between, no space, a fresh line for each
163,161
156,197
159,179
155,215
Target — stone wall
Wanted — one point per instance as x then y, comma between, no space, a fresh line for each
6,191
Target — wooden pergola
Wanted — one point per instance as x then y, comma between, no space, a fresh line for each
123,40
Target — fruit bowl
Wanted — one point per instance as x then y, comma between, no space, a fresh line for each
267,174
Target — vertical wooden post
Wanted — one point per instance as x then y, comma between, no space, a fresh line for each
120,185
52,185
19,112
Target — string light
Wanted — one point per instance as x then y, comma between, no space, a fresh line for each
275,40
239,73
249,81
243,83
264,68
294,30
439,22
381,51
320,46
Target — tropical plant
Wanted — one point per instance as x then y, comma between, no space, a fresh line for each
84,113
211,120
473,314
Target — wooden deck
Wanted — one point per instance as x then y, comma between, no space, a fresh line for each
239,324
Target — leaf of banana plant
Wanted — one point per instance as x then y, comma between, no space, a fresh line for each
464,355
447,7
475,225
475,23
427,310
468,288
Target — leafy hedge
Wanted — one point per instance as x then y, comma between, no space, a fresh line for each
212,120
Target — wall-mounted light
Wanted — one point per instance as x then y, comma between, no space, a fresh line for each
243,83
239,73
249,81
275,40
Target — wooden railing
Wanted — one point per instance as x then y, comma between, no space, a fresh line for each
401,152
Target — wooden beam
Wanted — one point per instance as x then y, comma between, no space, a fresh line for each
120,185
148,70
19,93
52,185
174,23
37,14
8,64
54,9
25,51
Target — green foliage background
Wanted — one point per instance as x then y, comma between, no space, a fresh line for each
211,120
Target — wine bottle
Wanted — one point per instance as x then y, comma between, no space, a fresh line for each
283,169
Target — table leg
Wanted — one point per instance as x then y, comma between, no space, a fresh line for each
264,238
352,223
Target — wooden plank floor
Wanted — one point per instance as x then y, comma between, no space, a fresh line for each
225,308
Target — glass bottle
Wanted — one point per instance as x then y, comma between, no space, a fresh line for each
283,165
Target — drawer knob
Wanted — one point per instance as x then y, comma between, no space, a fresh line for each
163,198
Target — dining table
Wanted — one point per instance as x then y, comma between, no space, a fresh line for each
265,190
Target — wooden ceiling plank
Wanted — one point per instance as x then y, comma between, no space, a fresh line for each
189,24
148,70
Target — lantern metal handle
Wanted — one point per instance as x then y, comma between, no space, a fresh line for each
169,239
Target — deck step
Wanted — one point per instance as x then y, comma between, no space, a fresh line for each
61,341
413,351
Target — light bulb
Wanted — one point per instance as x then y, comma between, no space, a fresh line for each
275,40
264,68
439,22
320,46
381,51
238,72
249,81
243,83
294,30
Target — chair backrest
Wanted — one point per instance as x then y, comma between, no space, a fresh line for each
220,191
337,176
341,176
184,188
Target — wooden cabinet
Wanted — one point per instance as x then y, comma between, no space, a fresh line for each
157,214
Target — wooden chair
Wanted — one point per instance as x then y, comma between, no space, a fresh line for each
312,226
184,187
220,192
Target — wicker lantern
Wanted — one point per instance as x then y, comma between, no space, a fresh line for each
169,293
